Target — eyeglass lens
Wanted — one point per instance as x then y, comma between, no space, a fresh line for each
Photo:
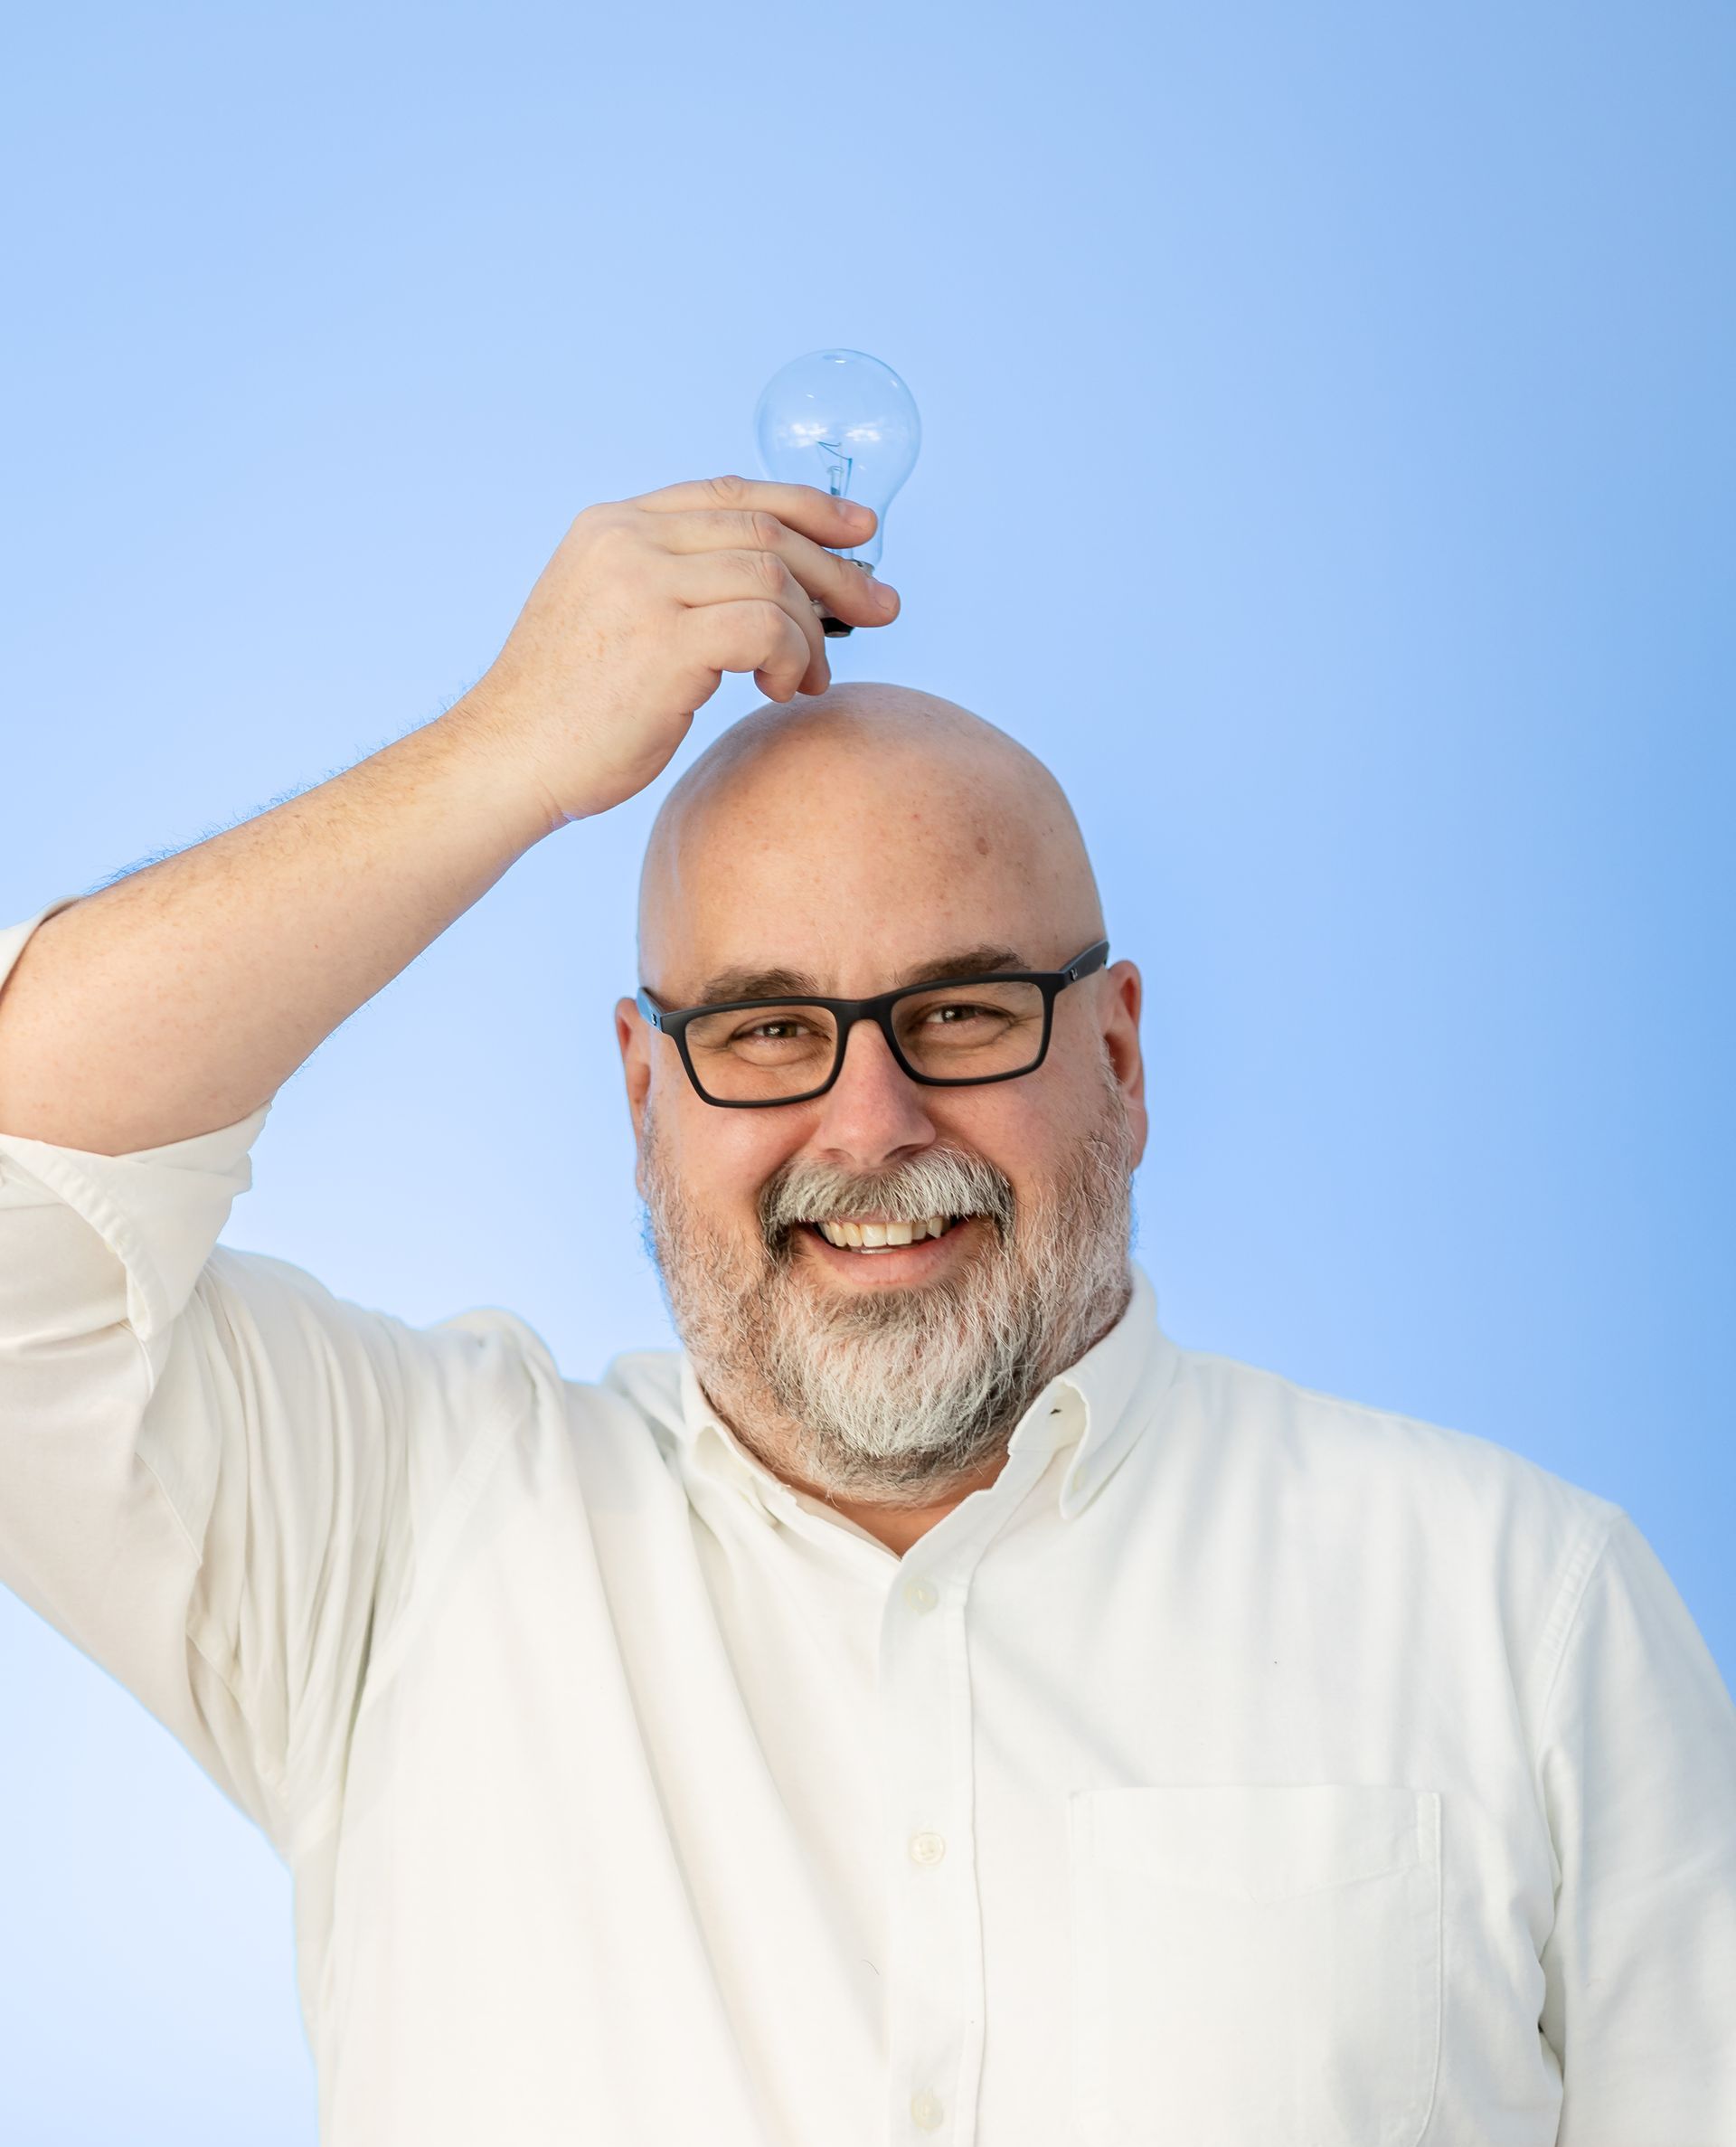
750,1052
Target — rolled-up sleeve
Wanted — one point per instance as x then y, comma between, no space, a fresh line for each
1639,1774
207,1480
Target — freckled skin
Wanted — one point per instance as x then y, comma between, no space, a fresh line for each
852,834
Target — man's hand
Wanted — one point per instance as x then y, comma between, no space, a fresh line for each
644,607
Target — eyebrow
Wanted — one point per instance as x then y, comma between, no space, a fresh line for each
743,983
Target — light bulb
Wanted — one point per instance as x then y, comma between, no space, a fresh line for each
843,422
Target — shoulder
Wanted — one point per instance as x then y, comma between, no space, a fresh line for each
1438,1487
472,1366
285,1327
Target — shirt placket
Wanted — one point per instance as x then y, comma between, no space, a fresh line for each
934,1970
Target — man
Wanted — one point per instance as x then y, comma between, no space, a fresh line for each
931,1705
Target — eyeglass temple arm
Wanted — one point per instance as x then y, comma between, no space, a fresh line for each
1082,965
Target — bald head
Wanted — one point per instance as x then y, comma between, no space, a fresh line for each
850,834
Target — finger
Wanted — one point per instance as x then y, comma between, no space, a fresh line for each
847,590
829,521
737,577
758,635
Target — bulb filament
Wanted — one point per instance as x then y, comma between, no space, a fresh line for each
838,473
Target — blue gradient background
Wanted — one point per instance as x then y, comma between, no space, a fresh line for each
1328,469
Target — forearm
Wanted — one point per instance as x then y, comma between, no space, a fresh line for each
180,998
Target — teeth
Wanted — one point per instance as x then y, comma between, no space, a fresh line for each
873,1237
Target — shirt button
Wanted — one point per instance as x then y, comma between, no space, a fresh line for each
920,1596
927,1849
927,2110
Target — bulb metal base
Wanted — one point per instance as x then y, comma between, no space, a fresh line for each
832,627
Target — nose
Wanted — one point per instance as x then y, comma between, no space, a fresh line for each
873,1111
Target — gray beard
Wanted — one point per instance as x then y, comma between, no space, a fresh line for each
892,1395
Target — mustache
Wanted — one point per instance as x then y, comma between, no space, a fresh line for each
939,1182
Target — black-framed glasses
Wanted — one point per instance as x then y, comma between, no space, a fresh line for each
958,1031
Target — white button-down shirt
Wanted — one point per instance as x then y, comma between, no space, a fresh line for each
1242,1768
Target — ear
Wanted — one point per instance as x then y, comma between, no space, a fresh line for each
1121,1003
633,1034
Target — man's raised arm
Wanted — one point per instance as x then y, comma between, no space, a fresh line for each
179,999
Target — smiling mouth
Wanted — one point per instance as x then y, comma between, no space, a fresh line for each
883,1236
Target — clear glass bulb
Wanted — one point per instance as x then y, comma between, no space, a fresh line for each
845,422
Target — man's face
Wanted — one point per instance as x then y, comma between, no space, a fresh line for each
885,1371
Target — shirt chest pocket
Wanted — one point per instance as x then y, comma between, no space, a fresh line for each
1255,1966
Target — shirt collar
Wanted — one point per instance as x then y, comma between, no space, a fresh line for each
1102,1403
1115,1387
